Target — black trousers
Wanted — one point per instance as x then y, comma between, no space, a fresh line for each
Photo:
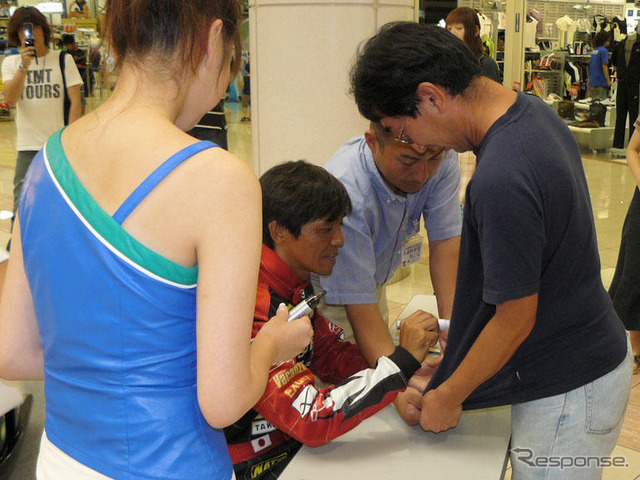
626,106
624,290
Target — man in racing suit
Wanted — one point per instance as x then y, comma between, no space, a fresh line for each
303,207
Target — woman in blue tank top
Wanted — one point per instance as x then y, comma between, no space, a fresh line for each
133,271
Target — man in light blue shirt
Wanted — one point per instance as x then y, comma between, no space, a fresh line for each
392,185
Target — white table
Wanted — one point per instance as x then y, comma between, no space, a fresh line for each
10,397
384,447
594,139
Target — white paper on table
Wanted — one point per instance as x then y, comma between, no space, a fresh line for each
428,303
10,397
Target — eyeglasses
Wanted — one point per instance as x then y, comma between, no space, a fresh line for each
402,138
406,139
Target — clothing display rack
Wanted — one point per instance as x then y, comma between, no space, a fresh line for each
555,41
569,76
544,73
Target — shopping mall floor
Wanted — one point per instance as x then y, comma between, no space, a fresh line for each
611,186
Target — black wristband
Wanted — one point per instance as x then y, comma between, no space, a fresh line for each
406,362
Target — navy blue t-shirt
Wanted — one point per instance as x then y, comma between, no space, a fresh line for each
528,228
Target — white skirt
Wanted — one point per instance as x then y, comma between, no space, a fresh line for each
54,464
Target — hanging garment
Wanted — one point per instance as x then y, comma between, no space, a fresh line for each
566,29
486,25
626,108
538,17
622,25
583,25
626,59
530,27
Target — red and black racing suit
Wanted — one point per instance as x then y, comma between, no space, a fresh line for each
292,410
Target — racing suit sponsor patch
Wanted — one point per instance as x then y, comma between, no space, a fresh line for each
259,468
261,443
282,378
259,427
304,401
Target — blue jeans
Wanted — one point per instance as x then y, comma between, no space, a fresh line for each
23,161
570,436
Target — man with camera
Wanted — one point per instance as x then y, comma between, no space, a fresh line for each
34,83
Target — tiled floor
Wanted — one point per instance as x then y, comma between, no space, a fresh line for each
611,186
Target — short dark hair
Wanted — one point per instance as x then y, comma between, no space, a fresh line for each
601,38
382,133
24,15
296,193
136,28
68,39
391,64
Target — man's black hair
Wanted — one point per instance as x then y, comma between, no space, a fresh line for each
296,193
601,38
68,39
391,64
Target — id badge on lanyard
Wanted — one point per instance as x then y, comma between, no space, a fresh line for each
412,246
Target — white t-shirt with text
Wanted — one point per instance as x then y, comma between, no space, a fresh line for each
40,110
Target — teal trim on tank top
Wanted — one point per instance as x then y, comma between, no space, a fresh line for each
107,227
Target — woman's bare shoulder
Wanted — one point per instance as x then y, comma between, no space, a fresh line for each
225,171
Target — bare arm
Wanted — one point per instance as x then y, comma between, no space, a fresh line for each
371,331
633,155
443,267
496,344
21,353
232,370
13,88
3,274
75,96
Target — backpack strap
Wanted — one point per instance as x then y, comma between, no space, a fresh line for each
67,101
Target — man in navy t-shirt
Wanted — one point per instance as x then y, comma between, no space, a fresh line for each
532,325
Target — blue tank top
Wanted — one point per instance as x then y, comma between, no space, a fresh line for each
118,330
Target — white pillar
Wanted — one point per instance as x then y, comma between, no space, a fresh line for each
514,45
301,52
